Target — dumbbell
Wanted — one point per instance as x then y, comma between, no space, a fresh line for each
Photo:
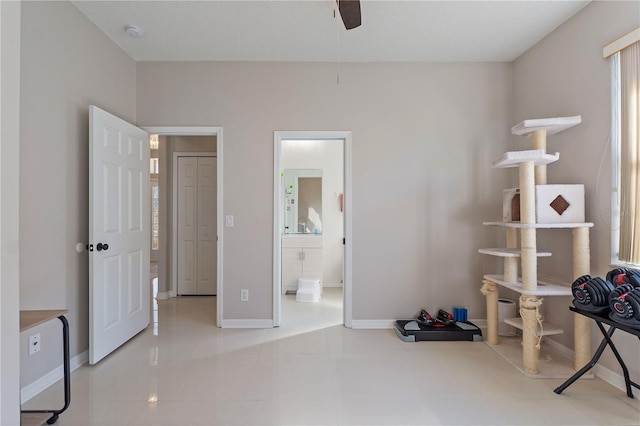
624,301
619,276
577,289
445,317
591,291
425,318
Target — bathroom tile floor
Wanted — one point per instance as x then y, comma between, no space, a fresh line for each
183,370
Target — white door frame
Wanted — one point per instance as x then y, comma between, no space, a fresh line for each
204,131
278,137
174,225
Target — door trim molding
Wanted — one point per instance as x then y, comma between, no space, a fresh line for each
206,131
174,215
278,137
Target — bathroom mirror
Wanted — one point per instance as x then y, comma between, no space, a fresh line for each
303,201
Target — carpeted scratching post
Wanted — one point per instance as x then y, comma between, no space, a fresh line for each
511,263
529,306
581,323
528,253
539,141
490,290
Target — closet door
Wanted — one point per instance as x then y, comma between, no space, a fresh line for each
197,239
207,218
187,225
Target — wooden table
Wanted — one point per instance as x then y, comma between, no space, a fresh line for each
28,320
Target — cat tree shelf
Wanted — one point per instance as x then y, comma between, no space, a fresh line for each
544,288
507,252
546,330
515,158
540,225
550,125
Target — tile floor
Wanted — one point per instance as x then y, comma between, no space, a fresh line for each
313,371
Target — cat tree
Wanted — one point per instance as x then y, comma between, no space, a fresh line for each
533,192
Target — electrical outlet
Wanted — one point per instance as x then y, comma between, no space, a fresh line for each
34,344
244,295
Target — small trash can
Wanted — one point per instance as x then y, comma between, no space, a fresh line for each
506,309
309,290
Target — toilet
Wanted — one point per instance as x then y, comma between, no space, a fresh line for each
309,290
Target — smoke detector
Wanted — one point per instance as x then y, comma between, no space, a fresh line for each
133,31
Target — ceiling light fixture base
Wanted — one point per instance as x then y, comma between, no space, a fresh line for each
133,31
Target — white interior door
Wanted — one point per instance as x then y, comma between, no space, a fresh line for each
207,219
155,224
197,224
187,225
119,232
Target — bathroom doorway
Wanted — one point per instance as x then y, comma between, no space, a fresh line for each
312,225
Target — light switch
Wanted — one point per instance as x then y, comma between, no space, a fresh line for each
228,220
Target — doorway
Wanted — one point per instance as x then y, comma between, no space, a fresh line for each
167,253
312,227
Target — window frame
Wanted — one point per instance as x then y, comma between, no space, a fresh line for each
612,51
615,161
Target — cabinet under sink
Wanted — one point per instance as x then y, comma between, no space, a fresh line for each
301,258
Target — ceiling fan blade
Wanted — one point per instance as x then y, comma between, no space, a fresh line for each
350,12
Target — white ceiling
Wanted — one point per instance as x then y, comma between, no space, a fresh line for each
305,30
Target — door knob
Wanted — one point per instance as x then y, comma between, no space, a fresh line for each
101,247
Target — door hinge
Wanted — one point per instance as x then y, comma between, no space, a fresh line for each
89,247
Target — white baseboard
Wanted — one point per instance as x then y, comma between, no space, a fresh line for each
480,323
614,379
247,323
162,295
372,324
562,349
29,391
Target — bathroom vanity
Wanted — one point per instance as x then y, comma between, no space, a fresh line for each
301,258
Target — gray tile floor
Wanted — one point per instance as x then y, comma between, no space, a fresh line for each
313,371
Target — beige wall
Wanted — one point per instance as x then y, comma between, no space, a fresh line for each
9,217
424,136
67,65
565,74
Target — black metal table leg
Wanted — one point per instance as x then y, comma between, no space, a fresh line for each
589,365
67,375
600,320
625,371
